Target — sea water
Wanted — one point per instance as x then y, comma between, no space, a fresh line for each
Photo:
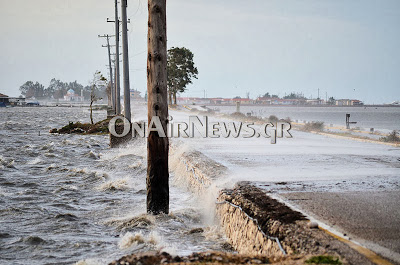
68,199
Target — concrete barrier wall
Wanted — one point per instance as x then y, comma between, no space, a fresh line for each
197,172
243,233
193,169
253,222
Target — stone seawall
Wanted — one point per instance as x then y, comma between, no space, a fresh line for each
257,224
253,222
194,170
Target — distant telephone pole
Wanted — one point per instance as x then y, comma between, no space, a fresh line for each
125,61
111,71
117,74
157,104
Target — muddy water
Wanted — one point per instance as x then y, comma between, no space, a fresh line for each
68,199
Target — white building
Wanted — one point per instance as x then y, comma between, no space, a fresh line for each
71,96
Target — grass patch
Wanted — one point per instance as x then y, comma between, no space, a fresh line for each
393,137
273,119
100,127
238,115
323,260
314,126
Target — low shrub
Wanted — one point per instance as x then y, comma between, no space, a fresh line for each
393,137
100,127
238,115
314,126
273,119
323,260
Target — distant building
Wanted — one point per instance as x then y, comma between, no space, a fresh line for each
216,101
279,101
135,94
265,100
71,96
348,102
17,101
4,100
192,100
242,100
315,101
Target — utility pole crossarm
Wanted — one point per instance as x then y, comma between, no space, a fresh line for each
113,21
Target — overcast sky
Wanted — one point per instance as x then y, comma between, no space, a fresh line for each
346,48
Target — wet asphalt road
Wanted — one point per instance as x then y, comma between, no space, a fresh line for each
371,218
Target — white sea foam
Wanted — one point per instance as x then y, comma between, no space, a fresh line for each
115,184
89,262
35,161
130,239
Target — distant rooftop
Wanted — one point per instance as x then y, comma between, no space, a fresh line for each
3,96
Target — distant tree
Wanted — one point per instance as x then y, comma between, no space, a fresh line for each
27,89
275,96
56,89
237,97
293,96
98,81
266,95
39,90
30,89
86,92
180,71
331,101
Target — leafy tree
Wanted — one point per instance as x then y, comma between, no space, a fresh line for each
180,71
39,90
30,89
86,92
56,89
293,96
268,95
331,101
98,81
26,89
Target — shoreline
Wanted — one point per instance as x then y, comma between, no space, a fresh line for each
67,104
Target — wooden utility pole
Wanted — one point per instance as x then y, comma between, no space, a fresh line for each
125,61
111,72
157,147
117,75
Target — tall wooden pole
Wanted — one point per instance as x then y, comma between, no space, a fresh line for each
125,61
157,147
112,93
117,78
111,76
